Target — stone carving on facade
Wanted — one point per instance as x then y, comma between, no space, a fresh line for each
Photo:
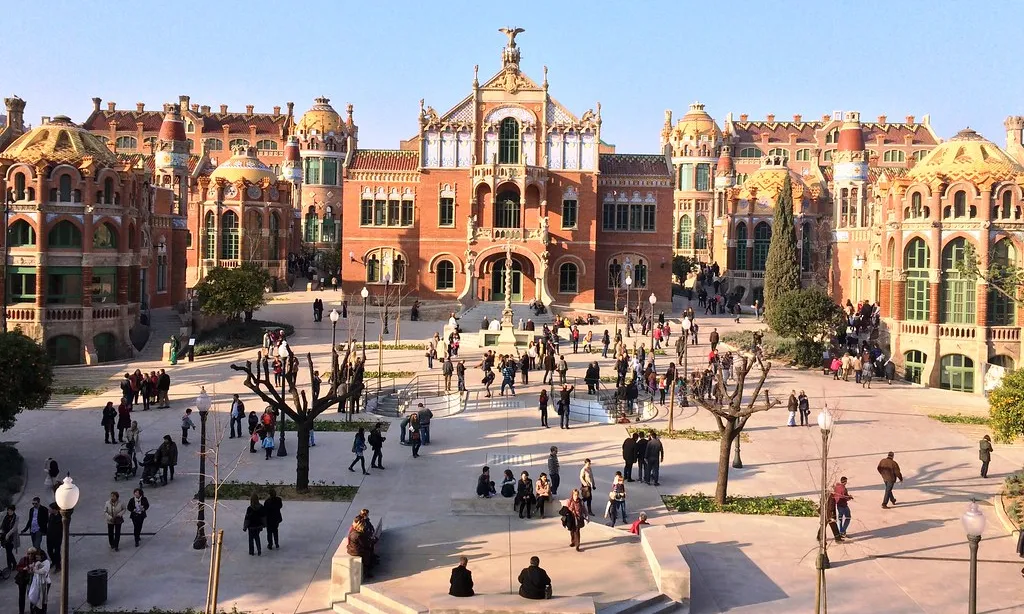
471,228
545,234
147,241
470,263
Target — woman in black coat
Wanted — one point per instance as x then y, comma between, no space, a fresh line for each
107,422
138,505
253,524
272,515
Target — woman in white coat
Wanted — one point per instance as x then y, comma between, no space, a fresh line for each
39,588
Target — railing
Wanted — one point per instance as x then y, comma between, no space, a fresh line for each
106,313
508,234
757,274
914,328
957,331
231,264
509,171
63,314
21,314
430,386
1003,333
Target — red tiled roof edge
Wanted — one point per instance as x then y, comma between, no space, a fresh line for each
385,160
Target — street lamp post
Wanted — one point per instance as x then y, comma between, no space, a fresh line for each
629,282
67,498
825,422
686,324
282,450
364,293
652,300
974,525
387,284
203,404
334,328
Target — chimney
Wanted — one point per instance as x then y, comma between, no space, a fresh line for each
205,109
910,119
770,118
44,120
1015,137
183,101
825,118
248,109
277,110
111,106
291,108
348,111
882,118
797,119
96,104
223,109
140,107
195,107
15,113
743,117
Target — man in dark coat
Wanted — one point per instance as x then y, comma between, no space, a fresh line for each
641,455
889,469
36,524
629,455
54,535
655,455
713,339
462,580
534,582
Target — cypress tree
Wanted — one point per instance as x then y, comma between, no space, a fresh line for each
782,268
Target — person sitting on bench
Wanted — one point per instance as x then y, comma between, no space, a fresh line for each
462,580
484,484
534,582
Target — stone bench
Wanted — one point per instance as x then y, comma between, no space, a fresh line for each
669,568
347,570
471,505
502,604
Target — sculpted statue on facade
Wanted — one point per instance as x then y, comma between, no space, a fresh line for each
471,228
544,232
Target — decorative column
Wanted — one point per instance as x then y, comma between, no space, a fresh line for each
981,317
884,290
899,295
934,285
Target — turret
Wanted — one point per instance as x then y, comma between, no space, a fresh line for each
725,173
171,157
1015,137
850,175
291,170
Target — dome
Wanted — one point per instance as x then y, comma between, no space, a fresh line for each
243,165
62,142
696,123
320,117
968,156
172,128
765,183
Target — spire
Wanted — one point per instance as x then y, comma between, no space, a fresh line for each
510,54
851,137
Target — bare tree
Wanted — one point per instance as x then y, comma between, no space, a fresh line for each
732,414
300,409
253,236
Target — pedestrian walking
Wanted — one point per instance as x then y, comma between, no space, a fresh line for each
587,485
163,388
564,397
138,506
447,370
543,406
254,437
423,416
376,440
985,454
10,539
792,405
124,418
167,457
113,512
54,536
272,507
358,447
841,498
616,500
414,435
35,526
889,469
573,518
804,406
237,413
655,456
51,471
267,444
549,368
553,467
39,585
186,425
460,374
508,377
713,338
867,374
253,523
629,455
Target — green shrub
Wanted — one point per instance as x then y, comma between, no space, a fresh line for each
392,346
237,336
760,506
960,419
76,390
318,491
1006,406
341,426
12,473
690,434
808,353
368,375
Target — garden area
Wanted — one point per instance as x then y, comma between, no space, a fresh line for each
759,506
1013,497
238,335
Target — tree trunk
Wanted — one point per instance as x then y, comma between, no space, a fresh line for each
302,428
724,447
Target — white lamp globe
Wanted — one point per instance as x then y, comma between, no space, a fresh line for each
203,402
825,420
364,293
629,281
652,299
973,520
334,316
67,494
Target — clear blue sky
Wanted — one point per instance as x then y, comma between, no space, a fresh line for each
950,59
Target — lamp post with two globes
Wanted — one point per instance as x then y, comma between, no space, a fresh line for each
67,498
203,404
652,300
387,286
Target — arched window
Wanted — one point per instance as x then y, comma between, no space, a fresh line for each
960,204
275,240
749,152
211,236
126,142
104,237
956,372
700,233
741,246
373,269
568,278
916,206
958,294
805,247
108,191
684,238
19,186
640,274
444,277
65,234
1002,309
762,239
919,154
327,232
508,141
507,210
214,145
20,234
1004,211
398,270
1004,361
312,227
832,136
894,155
803,155
615,274
64,189
916,261
914,363
189,126
827,156
234,144
778,151
266,145
229,236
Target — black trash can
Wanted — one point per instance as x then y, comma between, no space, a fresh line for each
96,587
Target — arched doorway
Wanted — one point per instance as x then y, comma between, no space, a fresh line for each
498,281
64,350
105,346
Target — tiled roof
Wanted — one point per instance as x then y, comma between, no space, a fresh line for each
125,120
874,172
778,132
238,123
131,160
894,133
634,164
385,160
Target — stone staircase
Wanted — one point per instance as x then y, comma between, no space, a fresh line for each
163,323
647,603
471,319
369,600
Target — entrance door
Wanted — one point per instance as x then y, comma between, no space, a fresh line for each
498,281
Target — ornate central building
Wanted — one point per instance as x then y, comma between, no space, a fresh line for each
508,167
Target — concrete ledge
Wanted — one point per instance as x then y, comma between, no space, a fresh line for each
372,599
346,573
670,570
1003,515
508,604
475,506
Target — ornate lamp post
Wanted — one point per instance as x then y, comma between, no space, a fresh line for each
334,327
281,449
629,282
652,300
974,525
67,498
825,422
364,293
387,285
686,324
203,404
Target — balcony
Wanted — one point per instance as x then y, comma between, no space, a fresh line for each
1003,333
496,173
504,235
958,331
914,328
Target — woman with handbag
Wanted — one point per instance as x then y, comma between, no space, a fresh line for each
587,486
358,448
113,511
39,586
574,517
138,505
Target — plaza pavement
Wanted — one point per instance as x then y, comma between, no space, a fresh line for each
912,558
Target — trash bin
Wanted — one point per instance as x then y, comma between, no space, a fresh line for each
96,587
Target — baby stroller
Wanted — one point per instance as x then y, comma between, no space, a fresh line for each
123,465
150,470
